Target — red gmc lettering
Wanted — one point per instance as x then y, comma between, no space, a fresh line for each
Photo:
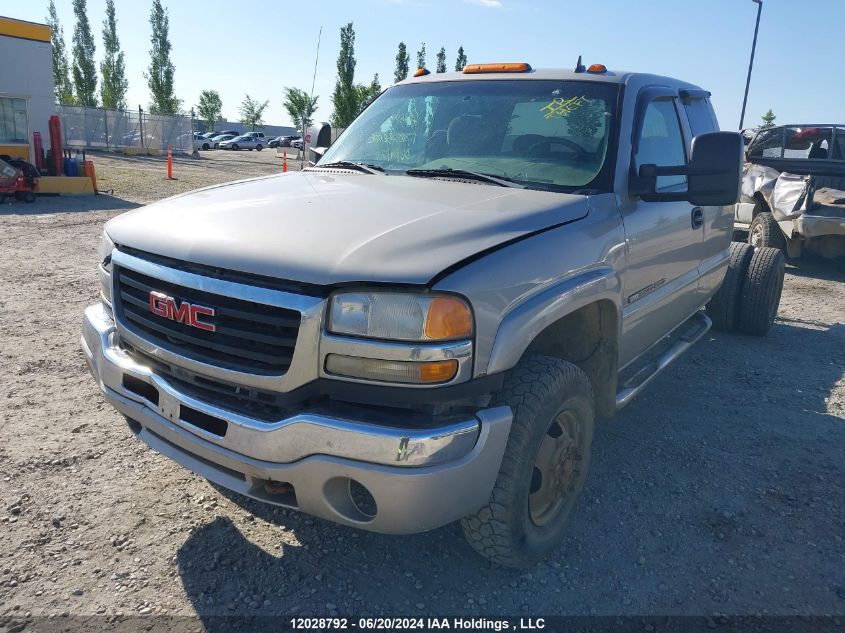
189,314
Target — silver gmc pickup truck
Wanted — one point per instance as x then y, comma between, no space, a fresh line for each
423,326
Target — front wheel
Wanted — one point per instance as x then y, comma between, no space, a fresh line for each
258,148
235,148
544,466
205,146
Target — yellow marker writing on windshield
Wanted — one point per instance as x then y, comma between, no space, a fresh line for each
560,107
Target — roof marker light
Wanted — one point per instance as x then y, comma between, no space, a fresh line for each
597,68
421,72
510,67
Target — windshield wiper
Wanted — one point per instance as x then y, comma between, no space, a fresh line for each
367,168
448,172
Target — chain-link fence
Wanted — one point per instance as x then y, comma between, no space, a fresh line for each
98,128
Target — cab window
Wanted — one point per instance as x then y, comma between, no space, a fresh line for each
661,141
701,117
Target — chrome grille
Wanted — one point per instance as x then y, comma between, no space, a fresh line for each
249,337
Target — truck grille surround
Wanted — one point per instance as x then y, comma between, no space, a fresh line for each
249,337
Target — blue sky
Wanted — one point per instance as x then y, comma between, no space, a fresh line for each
260,46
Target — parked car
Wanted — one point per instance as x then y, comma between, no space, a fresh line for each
391,340
285,141
221,139
243,142
793,189
296,143
258,135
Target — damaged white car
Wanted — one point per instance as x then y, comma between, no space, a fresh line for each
793,190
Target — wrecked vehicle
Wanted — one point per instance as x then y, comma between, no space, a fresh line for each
793,190
424,326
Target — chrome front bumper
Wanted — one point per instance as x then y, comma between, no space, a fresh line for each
419,478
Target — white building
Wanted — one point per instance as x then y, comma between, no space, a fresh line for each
26,86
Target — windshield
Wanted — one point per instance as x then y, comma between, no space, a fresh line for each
540,133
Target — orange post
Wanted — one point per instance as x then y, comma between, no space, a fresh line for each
170,162
284,161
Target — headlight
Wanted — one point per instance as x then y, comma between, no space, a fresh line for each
104,267
105,249
400,317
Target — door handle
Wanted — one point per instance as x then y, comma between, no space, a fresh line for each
697,218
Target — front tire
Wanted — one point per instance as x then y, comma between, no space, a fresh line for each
235,148
761,291
258,148
205,146
544,466
764,231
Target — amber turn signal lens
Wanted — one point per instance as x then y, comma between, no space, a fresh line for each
438,371
448,318
510,67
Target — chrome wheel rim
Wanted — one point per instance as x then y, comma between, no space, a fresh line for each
557,468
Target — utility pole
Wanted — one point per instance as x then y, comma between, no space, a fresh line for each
759,4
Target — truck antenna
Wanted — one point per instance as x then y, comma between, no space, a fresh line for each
579,67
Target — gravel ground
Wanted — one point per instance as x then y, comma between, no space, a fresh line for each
718,491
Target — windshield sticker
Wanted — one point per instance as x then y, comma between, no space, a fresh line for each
560,107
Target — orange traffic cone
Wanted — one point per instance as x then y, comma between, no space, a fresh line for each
284,161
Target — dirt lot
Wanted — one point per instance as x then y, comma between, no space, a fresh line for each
718,491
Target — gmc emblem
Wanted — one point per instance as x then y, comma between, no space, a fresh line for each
187,313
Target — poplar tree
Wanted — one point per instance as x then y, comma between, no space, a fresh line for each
461,61
421,56
160,75
346,98
84,70
113,68
402,62
62,85
441,60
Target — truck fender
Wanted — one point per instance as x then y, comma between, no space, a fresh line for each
527,319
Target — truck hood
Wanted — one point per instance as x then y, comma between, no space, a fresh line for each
335,227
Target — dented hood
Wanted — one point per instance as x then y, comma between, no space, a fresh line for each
328,228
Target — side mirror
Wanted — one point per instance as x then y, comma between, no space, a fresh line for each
317,140
713,174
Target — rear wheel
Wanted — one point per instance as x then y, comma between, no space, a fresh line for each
25,196
235,147
544,466
205,146
258,148
761,291
723,308
764,231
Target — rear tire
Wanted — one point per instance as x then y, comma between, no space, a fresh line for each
205,146
764,231
723,307
544,466
258,148
25,196
235,148
761,291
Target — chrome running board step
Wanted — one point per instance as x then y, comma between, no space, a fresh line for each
684,337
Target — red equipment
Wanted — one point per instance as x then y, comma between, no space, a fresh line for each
56,144
14,182
39,151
